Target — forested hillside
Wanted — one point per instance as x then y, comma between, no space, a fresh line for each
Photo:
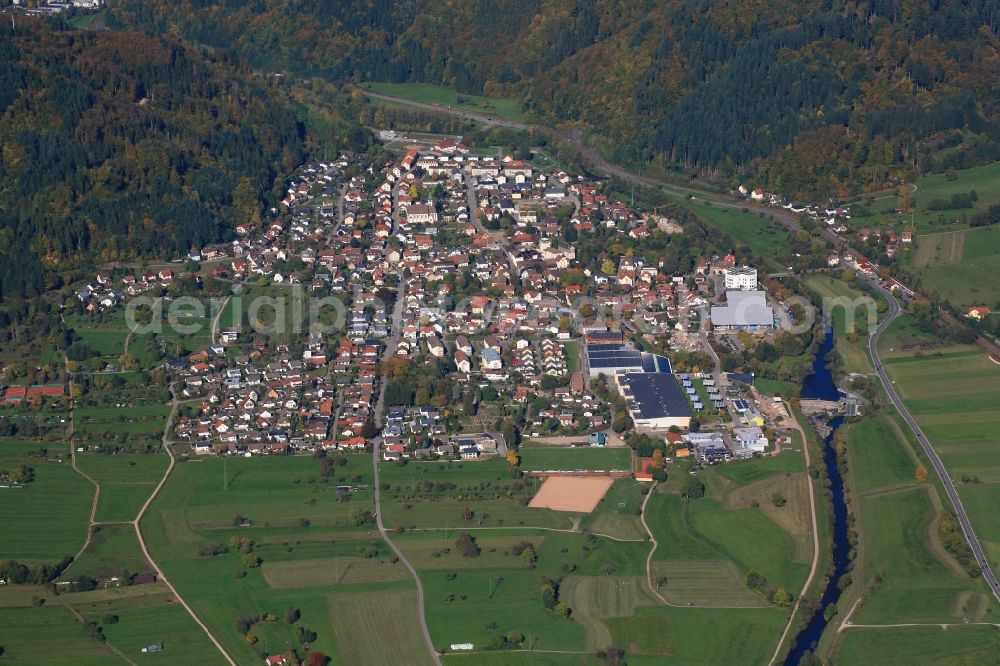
864,91
115,145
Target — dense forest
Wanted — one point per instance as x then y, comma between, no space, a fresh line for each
864,91
115,145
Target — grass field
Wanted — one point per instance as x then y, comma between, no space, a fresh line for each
444,96
617,512
485,486
45,520
850,318
698,635
878,458
48,635
905,646
112,550
146,615
332,571
275,493
536,458
596,598
768,240
916,585
705,583
141,419
958,265
378,627
126,481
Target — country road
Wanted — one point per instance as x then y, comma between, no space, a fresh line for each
390,350
939,468
142,541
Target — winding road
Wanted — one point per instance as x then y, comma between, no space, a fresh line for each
939,468
142,541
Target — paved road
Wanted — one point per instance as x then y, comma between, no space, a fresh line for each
390,350
939,468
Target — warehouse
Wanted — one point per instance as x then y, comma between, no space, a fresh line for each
655,400
611,359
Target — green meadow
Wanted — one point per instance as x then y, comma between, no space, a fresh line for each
46,519
427,93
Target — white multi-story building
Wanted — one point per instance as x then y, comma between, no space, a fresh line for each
741,278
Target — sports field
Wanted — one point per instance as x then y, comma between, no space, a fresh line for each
579,495
548,458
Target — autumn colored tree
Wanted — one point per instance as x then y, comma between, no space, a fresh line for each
921,474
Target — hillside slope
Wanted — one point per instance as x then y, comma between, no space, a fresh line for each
115,145
865,91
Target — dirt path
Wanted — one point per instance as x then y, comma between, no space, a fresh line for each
649,556
815,534
572,530
97,487
215,320
142,541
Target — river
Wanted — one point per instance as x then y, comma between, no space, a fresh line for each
820,386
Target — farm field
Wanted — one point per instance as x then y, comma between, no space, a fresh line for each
378,627
905,646
878,458
142,419
617,512
46,519
276,494
126,480
538,458
953,393
918,584
113,549
443,96
958,265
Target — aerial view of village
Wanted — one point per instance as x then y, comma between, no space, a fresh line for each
456,383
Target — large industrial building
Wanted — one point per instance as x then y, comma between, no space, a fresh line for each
612,359
655,400
743,311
